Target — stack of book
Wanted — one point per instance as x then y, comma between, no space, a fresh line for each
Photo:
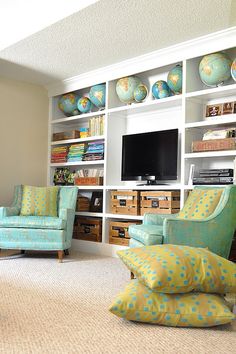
96,126
95,151
76,152
59,154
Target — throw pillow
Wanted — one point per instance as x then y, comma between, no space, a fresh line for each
39,201
200,204
139,303
180,269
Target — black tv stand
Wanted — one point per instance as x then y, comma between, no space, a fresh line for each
152,183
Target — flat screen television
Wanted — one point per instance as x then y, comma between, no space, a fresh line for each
150,156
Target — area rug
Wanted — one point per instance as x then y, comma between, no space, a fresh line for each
51,307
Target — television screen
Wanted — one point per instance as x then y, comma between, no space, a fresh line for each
150,156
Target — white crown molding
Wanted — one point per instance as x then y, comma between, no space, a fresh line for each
175,53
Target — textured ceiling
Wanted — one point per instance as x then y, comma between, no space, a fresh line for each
111,31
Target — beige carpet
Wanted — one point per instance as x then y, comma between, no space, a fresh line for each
48,307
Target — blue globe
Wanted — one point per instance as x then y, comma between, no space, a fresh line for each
84,105
140,93
97,95
174,79
160,89
68,104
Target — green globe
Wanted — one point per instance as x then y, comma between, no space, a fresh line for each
125,88
174,79
140,93
214,69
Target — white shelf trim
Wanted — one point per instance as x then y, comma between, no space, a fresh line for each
194,155
168,101
123,216
216,91
221,120
78,163
88,213
78,140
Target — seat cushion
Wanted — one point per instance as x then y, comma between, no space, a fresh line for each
139,303
33,222
39,201
147,234
180,269
200,203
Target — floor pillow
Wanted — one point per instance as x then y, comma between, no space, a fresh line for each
139,303
180,269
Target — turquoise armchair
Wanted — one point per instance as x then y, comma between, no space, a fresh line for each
215,232
39,232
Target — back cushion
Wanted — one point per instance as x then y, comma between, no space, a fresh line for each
39,201
200,203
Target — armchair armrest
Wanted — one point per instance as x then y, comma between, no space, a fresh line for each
9,211
65,214
156,219
68,215
209,233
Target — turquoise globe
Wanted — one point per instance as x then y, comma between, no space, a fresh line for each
140,93
160,89
174,79
68,104
214,69
233,70
84,105
97,95
125,88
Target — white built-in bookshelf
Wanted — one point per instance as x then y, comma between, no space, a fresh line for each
185,112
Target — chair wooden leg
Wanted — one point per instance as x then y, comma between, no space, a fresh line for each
132,275
60,256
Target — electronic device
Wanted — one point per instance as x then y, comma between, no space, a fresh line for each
225,172
213,180
150,156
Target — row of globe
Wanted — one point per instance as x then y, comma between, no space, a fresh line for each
214,69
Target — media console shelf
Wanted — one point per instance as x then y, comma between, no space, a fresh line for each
185,112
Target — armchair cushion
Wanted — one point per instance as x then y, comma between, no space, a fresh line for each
139,303
200,203
40,201
33,222
180,269
147,234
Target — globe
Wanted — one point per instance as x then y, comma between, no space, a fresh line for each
214,69
233,70
68,104
97,95
84,105
160,89
174,79
125,88
140,93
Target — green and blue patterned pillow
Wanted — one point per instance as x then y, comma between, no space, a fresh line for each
180,269
39,201
200,203
141,304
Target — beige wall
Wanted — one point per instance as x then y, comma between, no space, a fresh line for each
23,136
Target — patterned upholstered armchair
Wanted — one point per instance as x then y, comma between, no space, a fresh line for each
39,232
214,231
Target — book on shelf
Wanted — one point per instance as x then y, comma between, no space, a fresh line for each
214,145
96,126
219,134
